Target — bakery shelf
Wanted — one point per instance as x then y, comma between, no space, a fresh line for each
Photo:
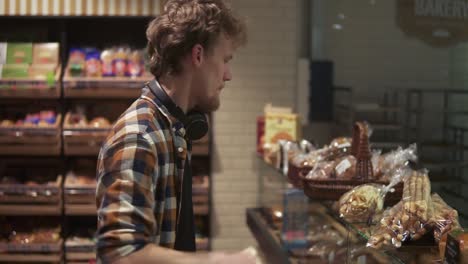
201,149
79,194
200,199
31,88
33,258
80,251
31,248
32,210
52,93
103,87
31,141
203,209
80,209
39,194
83,142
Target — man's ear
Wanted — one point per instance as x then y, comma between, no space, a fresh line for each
197,55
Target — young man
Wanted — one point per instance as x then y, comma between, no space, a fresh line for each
145,212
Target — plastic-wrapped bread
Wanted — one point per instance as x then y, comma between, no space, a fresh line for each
387,163
444,218
322,171
408,219
361,203
346,167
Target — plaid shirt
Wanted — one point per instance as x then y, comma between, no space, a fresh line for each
139,180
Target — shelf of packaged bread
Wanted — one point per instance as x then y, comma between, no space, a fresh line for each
90,209
80,209
80,249
42,139
82,137
30,258
81,142
32,197
44,85
33,252
52,93
201,209
31,210
201,149
103,87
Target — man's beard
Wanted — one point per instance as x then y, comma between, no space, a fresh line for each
209,105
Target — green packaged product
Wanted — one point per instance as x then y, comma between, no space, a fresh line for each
19,53
15,71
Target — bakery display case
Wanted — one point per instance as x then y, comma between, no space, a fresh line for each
79,245
80,188
30,133
348,203
36,188
82,135
30,239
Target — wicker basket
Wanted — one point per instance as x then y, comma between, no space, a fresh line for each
297,174
333,189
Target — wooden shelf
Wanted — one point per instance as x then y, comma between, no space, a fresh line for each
83,145
201,210
80,209
102,93
32,210
202,244
52,93
33,258
80,256
104,87
201,149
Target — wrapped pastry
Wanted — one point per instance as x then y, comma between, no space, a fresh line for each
444,218
361,203
100,122
385,164
322,171
389,231
346,167
341,142
409,219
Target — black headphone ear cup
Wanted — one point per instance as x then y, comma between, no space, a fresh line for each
196,126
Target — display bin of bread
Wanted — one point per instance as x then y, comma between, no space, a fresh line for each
32,134
78,248
82,136
79,189
35,190
38,235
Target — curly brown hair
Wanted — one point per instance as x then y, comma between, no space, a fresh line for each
185,23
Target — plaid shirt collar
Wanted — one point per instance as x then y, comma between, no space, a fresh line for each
176,125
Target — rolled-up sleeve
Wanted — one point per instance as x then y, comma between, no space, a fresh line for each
124,197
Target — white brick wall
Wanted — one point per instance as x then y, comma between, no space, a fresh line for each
263,71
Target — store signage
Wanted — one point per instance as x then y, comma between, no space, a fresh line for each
440,23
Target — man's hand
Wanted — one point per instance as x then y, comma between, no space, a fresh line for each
243,257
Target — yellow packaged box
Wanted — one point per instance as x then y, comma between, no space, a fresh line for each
281,126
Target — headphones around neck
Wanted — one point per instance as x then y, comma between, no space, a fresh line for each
195,122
